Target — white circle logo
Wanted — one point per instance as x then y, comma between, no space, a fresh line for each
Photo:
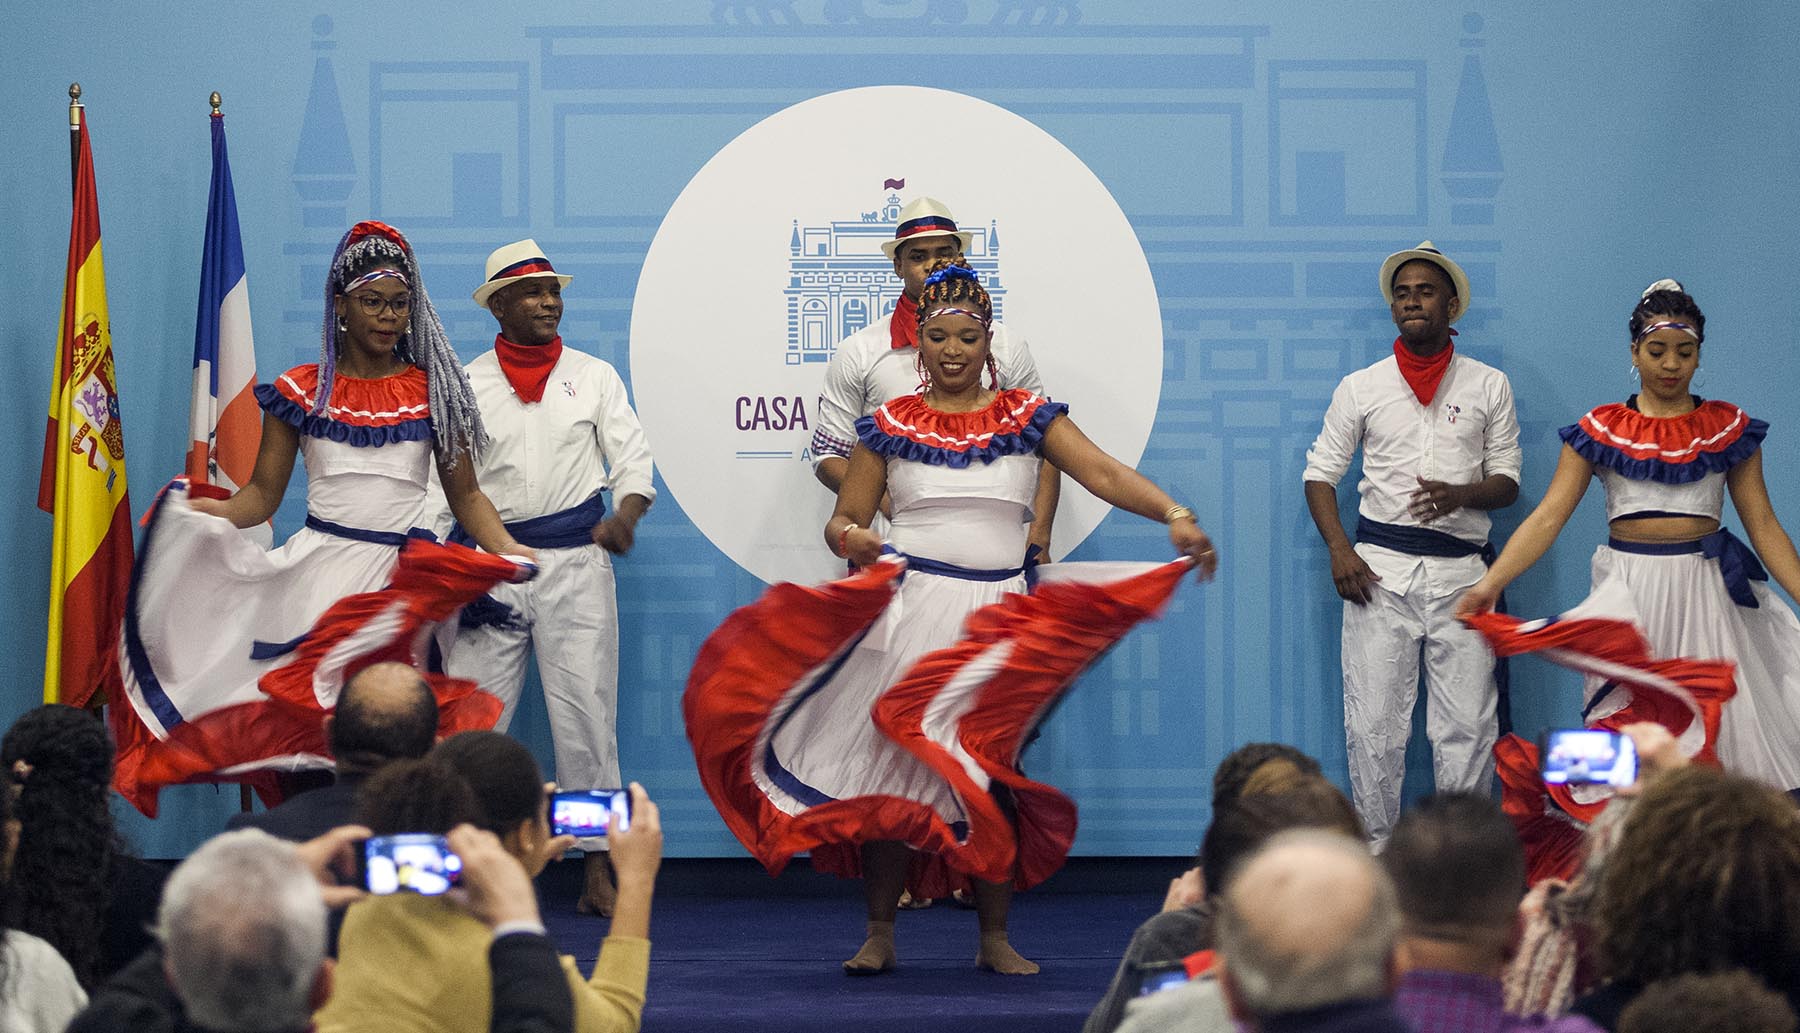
771,255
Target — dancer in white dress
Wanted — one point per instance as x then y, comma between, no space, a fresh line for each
1666,459
960,460
210,612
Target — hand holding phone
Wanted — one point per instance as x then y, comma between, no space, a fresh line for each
589,813
410,862
1588,756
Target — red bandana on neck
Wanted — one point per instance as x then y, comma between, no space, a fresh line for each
527,368
903,331
1424,375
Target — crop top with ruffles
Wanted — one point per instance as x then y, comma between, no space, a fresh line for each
1665,465
967,480
368,457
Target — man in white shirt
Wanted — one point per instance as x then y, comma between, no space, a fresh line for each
881,361
562,431
1440,443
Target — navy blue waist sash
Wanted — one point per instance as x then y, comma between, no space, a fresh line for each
1737,562
360,534
925,565
1420,541
565,529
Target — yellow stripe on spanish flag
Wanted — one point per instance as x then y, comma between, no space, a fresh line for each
82,483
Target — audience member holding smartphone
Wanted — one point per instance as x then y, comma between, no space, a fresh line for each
413,962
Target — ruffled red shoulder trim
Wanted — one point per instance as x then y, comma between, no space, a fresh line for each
363,412
907,428
1670,449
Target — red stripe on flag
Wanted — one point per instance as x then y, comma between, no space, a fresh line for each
93,607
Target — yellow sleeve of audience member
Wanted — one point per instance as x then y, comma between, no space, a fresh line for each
612,1001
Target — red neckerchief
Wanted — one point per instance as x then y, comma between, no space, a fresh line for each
1424,375
903,330
527,368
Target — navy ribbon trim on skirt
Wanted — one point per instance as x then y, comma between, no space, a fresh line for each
565,529
1737,562
1423,541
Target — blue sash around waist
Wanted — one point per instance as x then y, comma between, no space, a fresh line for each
925,565
1737,562
565,529
1420,541
359,534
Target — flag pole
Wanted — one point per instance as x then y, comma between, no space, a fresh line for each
215,100
74,133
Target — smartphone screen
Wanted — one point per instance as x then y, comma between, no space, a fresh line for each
1589,756
411,862
588,813
1156,978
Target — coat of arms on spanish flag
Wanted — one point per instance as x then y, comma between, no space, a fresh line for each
82,484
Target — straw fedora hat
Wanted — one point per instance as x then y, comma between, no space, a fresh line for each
520,260
925,217
1425,252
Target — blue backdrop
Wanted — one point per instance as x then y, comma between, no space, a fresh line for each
1267,155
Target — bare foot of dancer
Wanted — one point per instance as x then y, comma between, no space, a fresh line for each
877,954
597,892
997,955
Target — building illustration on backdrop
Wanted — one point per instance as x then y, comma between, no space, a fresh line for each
839,281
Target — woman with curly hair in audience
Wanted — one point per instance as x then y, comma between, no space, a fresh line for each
1705,877
73,883
38,990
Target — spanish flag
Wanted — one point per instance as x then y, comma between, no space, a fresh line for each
82,484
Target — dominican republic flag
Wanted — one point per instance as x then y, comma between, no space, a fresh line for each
225,425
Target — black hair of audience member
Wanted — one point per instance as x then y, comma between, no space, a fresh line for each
1705,877
1240,829
62,875
416,796
506,779
1721,1002
1458,868
1237,767
8,844
377,721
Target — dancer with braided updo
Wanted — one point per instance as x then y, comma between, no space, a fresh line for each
892,744
209,613
1666,459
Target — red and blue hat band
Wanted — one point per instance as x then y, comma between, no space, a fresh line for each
924,224
527,267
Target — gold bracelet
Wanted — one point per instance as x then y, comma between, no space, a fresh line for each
1178,512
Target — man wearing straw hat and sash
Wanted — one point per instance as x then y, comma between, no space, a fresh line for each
562,431
881,361
1440,444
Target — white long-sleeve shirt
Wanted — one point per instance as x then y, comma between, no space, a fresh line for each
1468,433
867,370
548,456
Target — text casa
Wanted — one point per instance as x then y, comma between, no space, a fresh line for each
771,412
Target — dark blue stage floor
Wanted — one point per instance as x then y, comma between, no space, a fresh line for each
733,949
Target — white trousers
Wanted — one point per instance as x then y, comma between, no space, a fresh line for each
569,616
1384,642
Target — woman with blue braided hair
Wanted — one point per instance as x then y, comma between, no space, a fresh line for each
880,728
209,614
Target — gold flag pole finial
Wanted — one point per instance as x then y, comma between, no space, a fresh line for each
215,100
75,110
